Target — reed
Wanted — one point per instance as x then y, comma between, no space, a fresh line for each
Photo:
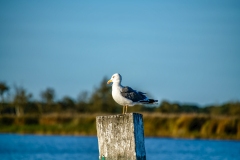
157,125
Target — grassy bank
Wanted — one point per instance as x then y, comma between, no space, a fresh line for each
192,126
159,125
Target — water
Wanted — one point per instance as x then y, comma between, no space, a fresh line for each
35,147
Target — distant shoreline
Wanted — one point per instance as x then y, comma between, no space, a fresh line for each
190,126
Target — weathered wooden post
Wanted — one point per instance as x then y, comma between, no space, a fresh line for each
121,137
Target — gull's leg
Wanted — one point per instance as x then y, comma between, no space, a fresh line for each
123,109
126,109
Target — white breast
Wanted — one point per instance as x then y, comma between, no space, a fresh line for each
116,94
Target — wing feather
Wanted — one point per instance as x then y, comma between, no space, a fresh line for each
133,95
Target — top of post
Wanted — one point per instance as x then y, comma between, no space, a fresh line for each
120,115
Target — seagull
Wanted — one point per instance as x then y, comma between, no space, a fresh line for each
126,96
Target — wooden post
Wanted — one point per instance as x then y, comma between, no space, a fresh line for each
121,137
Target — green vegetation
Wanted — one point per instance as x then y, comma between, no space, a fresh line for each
160,125
49,124
192,126
20,113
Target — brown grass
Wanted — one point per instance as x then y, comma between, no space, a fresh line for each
159,125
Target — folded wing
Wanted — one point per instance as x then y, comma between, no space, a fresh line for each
136,96
133,95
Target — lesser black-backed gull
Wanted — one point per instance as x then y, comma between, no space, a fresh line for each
126,96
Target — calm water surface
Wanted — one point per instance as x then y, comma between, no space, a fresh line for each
34,147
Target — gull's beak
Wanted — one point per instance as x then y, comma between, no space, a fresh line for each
108,82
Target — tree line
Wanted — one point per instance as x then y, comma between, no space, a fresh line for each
21,102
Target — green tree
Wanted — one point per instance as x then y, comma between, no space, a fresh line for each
165,107
102,101
67,103
83,102
48,96
189,108
3,89
20,100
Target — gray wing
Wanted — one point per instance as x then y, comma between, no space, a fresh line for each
133,95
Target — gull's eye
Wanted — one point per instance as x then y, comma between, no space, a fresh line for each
113,76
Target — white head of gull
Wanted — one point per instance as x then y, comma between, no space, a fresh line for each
126,96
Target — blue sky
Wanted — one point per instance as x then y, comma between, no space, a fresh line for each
186,52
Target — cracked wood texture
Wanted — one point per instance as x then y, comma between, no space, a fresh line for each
121,137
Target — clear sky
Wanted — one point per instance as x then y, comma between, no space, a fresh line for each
180,51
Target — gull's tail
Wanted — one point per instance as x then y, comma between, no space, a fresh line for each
148,101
